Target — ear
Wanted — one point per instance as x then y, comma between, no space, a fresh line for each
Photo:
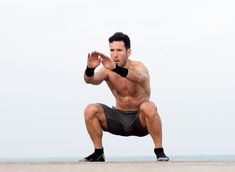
128,52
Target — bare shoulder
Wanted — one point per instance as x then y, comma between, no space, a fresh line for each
138,65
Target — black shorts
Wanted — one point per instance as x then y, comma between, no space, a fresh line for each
123,123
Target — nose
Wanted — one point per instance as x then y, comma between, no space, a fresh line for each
115,54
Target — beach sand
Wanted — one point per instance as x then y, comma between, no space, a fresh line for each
148,166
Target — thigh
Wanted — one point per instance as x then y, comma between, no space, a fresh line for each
142,120
115,122
139,129
147,110
100,115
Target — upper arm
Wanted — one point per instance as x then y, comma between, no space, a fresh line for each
97,78
139,73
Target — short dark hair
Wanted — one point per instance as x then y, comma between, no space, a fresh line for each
119,36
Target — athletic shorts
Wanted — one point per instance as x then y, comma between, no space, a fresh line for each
123,123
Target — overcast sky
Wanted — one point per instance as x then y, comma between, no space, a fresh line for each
187,45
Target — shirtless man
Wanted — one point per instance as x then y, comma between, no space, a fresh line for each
129,82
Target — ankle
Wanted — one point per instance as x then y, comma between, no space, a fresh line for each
99,150
159,152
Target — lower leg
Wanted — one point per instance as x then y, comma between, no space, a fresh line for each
152,121
95,131
154,127
94,121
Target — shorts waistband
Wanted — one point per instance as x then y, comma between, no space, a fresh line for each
125,112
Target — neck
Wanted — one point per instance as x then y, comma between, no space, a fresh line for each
127,64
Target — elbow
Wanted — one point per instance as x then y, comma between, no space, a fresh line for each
93,82
87,80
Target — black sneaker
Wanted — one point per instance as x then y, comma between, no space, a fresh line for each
94,158
163,158
160,154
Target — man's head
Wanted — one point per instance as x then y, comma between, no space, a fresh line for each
119,36
120,46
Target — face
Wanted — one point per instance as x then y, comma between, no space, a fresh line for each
118,52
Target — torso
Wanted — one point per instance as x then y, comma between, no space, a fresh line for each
129,95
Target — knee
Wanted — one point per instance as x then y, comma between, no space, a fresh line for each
90,111
149,109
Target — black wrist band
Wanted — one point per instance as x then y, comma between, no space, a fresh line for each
89,71
121,71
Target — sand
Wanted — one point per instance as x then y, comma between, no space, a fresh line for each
144,166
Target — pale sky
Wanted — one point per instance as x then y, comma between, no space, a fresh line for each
187,45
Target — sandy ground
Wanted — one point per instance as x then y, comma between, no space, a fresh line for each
148,166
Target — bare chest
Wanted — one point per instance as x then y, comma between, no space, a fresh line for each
123,87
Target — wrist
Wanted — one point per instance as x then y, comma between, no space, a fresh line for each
120,70
89,71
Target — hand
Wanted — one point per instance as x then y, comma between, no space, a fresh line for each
107,62
93,60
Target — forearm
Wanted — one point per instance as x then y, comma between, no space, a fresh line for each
130,74
89,75
92,80
87,79
92,77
